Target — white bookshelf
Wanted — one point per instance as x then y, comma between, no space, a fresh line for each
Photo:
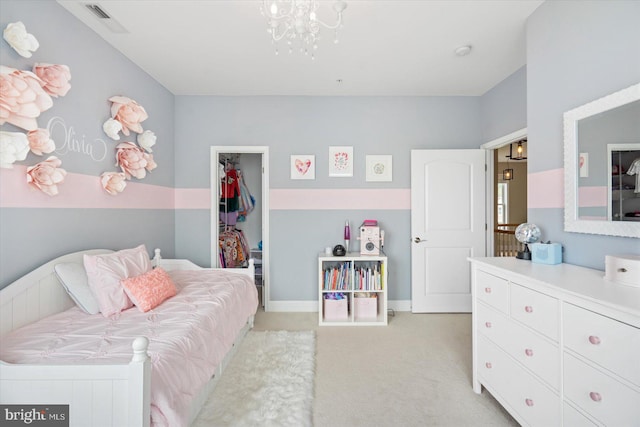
362,282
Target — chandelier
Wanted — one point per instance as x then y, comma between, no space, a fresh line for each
296,22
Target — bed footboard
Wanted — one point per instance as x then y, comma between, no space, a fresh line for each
104,395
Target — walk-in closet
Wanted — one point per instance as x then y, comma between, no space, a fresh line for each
238,210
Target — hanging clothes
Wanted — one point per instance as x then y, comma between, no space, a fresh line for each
634,169
229,196
247,201
233,248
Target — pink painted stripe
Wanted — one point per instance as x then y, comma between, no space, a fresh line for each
343,199
592,197
80,191
546,189
193,198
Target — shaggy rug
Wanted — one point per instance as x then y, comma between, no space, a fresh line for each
269,382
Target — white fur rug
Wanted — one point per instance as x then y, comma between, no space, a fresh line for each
269,382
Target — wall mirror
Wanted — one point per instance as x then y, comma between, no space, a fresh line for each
602,165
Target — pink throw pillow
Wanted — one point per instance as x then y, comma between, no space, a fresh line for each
150,289
104,273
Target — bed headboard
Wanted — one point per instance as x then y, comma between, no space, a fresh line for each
37,294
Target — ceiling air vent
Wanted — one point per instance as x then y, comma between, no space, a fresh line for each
105,18
98,11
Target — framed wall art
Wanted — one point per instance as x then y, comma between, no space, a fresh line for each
379,167
340,161
303,166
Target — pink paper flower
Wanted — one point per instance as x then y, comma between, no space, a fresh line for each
46,176
132,160
40,142
22,98
113,182
55,77
128,113
151,164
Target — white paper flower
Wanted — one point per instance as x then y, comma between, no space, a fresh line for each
146,140
112,127
14,146
22,42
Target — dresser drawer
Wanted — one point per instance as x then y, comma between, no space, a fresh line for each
607,342
534,352
571,417
493,324
538,311
493,290
535,403
598,394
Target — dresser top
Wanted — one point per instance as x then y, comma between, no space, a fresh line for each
584,283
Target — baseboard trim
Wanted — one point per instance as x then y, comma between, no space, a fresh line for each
312,306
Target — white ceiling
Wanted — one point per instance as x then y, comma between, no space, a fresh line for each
387,48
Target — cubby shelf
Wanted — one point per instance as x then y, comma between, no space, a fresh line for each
352,290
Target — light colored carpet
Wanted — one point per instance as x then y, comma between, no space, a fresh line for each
269,382
414,372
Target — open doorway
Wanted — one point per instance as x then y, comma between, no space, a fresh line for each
240,211
507,192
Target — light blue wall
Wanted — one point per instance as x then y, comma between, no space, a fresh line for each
309,125
503,109
32,236
576,52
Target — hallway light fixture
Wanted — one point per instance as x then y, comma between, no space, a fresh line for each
507,174
297,22
519,151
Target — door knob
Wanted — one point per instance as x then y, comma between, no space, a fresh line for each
419,240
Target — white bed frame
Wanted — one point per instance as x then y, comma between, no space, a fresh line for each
107,395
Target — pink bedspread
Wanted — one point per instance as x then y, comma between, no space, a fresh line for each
188,334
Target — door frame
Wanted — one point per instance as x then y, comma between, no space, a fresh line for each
490,194
216,150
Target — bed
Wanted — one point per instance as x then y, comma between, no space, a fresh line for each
153,368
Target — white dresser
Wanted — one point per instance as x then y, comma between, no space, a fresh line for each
556,345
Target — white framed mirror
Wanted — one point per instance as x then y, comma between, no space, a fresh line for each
601,138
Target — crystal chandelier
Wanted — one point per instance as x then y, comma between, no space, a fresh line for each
296,22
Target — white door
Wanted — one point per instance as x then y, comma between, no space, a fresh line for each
447,226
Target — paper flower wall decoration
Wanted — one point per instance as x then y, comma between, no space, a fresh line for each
133,161
22,42
14,146
45,176
55,78
40,142
129,113
112,128
146,140
113,182
22,98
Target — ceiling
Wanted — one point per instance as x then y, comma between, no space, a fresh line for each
386,48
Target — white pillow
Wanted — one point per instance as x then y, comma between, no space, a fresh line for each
73,278
104,273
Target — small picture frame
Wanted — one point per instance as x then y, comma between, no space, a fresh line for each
379,168
340,161
303,166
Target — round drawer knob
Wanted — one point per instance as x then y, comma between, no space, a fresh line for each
594,340
487,324
528,352
488,365
529,402
487,290
528,309
596,397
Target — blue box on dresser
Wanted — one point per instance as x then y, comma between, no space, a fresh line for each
546,253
